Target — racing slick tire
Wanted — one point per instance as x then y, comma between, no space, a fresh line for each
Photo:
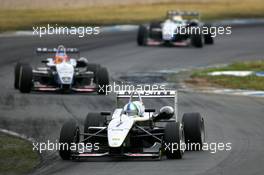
25,78
102,81
208,39
197,40
93,68
194,130
142,35
17,74
96,120
173,136
69,134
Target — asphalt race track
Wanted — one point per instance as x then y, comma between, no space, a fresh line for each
234,119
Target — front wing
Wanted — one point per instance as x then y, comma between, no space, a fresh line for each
152,42
124,155
47,88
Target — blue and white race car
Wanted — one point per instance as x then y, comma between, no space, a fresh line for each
61,73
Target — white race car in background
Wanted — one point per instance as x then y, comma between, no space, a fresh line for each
168,32
133,130
61,73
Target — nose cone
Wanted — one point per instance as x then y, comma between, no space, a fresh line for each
168,30
118,130
65,73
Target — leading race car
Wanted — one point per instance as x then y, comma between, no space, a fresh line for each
133,130
61,73
178,29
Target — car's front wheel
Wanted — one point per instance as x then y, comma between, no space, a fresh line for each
174,140
208,38
17,74
69,134
197,40
142,35
93,67
25,78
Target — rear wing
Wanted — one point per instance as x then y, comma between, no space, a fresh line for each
151,94
183,13
186,14
54,50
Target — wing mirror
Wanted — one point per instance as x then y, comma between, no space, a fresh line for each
166,113
81,64
105,113
162,116
44,61
150,110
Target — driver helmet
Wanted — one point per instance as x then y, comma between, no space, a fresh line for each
177,18
61,55
131,109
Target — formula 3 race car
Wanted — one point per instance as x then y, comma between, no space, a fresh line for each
61,73
133,131
178,29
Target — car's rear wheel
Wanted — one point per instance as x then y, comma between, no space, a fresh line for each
142,35
17,74
25,78
102,81
173,138
194,130
69,134
93,120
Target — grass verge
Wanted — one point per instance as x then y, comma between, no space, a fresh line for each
252,82
14,19
16,155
